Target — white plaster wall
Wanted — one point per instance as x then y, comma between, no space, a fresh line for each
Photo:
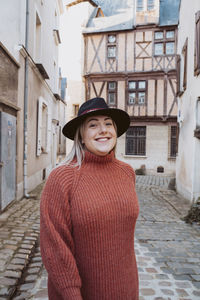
46,11
188,163
156,152
12,29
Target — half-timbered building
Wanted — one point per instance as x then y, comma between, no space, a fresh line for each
130,60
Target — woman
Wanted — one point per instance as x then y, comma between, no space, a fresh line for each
89,209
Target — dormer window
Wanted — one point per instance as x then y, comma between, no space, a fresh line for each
150,4
145,5
140,5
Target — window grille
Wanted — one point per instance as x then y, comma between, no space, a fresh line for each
136,140
137,92
164,42
173,144
112,93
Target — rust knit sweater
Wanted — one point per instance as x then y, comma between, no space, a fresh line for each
88,218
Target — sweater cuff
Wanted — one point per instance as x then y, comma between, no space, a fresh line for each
72,293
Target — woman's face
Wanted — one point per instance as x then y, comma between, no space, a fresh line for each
99,135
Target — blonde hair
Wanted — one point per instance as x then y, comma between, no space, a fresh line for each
77,153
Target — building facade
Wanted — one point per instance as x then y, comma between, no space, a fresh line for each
188,163
130,60
29,94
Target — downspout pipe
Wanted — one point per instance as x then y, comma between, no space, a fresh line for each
26,103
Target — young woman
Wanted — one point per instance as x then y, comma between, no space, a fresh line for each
89,209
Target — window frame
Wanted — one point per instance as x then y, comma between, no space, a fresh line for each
136,137
150,5
111,45
75,109
112,91
164,41
140,5
137,91
173,149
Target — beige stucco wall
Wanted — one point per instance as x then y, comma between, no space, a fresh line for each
156,152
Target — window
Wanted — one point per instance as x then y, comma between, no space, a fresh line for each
112,93
150,4
184,53
137,92
111,46
197,45
173,141
43,127
139,5
76,108
164,42
136,140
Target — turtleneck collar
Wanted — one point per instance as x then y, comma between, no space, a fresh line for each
92,158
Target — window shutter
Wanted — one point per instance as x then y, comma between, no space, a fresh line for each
185,49
39,126
49,124
178,70
197,45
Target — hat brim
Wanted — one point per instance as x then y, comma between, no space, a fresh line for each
120,117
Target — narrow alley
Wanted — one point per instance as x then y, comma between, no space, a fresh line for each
167,249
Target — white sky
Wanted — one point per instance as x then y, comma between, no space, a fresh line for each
70,47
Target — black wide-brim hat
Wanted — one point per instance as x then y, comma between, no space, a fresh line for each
97,106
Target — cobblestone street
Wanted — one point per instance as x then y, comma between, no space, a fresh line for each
167,249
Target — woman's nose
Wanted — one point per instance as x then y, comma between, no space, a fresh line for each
103,128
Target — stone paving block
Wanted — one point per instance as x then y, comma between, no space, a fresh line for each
33,270
182,277
167,292
15,267
24,251
18,261
196,284
196,293
13,274
7,291
183,284
182,293
24,246
22,255
196,277
26,286
31,278
22,296
147,292
165,283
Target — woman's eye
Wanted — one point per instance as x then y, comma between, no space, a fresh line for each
109,124
92,125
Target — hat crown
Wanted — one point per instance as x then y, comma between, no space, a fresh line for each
92,105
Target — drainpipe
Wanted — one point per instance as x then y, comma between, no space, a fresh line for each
26,102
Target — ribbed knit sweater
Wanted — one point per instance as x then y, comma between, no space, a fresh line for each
88,218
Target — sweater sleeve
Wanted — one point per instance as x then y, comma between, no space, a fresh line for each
56,242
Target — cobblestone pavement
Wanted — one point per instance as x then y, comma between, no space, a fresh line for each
167,249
